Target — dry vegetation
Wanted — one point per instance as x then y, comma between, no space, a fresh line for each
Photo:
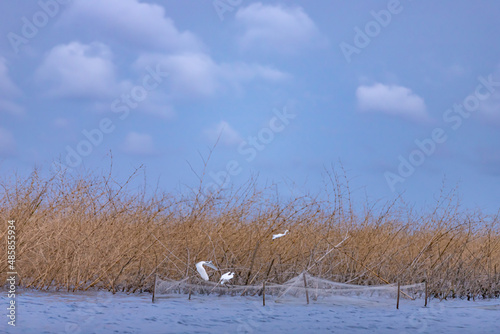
89,231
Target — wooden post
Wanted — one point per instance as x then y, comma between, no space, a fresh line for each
305,286
190,288
154,289
264,293
399,289
269,269
426,293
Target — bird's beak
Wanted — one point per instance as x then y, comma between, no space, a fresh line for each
211,265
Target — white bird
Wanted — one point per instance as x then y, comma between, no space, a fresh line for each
276,236
201,269
226,277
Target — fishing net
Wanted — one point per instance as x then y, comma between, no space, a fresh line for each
300,289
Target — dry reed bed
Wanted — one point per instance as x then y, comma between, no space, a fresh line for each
89,231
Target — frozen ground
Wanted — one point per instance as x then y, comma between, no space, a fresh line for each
50,312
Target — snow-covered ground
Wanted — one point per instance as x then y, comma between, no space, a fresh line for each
102,312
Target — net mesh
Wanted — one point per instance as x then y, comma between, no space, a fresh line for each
298,289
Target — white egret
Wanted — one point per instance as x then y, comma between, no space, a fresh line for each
226,277
276,236
201,269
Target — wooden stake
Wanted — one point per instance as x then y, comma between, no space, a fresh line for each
264,293
426,294
154,289
269,270
397,303
305,286
190,289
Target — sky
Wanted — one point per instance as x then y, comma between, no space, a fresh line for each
404,95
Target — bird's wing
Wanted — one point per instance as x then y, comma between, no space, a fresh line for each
202,272
211,265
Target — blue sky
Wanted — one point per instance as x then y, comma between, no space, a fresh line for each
406,94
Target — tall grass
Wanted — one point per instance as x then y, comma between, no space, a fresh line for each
91,231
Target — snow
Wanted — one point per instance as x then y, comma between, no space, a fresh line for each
103,312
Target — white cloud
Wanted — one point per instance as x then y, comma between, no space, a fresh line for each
223,132
277,28
238,73
190,74
192,71
7,142
139,144
198,75
8,91
158,105
392,100
78,70
139,23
